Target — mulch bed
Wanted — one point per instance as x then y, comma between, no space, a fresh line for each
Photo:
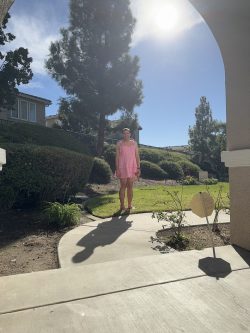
26,244
198,237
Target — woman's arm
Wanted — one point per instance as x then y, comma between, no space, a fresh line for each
117,157
137,156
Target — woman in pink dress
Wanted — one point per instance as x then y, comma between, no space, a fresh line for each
127,167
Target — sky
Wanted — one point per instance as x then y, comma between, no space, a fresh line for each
180,61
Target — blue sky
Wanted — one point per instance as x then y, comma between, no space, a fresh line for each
179,57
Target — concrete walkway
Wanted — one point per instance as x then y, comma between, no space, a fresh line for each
165,293
122,237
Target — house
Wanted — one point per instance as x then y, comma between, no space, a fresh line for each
53,120
28,108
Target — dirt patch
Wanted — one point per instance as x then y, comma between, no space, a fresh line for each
26,243
198,238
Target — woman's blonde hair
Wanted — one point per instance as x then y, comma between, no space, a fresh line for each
125,129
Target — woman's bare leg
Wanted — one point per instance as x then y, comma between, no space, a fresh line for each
130,183
123,184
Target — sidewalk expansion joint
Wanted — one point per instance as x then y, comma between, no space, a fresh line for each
111,292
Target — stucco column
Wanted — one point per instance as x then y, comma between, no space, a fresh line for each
2,158
229,21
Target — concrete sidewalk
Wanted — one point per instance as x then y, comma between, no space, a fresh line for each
126,236
165,293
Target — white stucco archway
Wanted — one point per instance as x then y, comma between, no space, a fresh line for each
229,21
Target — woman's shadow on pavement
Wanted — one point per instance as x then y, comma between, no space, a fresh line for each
105,233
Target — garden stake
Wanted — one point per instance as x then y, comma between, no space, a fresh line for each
209,229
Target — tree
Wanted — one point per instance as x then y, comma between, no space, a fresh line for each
200,134
73,119
217,144
127,119
207,138
14,68
92,63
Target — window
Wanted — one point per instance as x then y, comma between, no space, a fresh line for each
23,110
14,113
32,112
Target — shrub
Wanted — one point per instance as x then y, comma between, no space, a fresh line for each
173,169
61,215
189,180
101,172
7,197
189,168
176,219
15,132
109,156
151,155
209,181
152,171
36,173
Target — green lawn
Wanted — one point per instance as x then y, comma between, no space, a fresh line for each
153,198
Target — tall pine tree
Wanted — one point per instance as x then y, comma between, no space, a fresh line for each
92,63
200,134
207,138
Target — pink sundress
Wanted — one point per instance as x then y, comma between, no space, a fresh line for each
127,160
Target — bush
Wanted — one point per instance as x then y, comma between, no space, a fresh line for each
7,197
152,171
189,180
36,173
101,172
209,181
60,215
189,168
15,132
151,155
173,169
146,154
109,156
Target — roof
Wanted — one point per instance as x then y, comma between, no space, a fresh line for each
52,116
47,102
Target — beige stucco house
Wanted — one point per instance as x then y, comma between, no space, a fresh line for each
53,120
28,108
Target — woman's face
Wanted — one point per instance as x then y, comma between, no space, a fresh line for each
126,135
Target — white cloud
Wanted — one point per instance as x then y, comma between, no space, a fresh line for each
32,85
34,33
164,19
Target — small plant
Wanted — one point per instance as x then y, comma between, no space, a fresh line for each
219,205
209,181
189,180
175,218
62,215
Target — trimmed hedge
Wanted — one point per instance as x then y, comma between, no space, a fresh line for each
157,156
152,171
37,173
101,172
15,132
152,155
189,168
173,169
